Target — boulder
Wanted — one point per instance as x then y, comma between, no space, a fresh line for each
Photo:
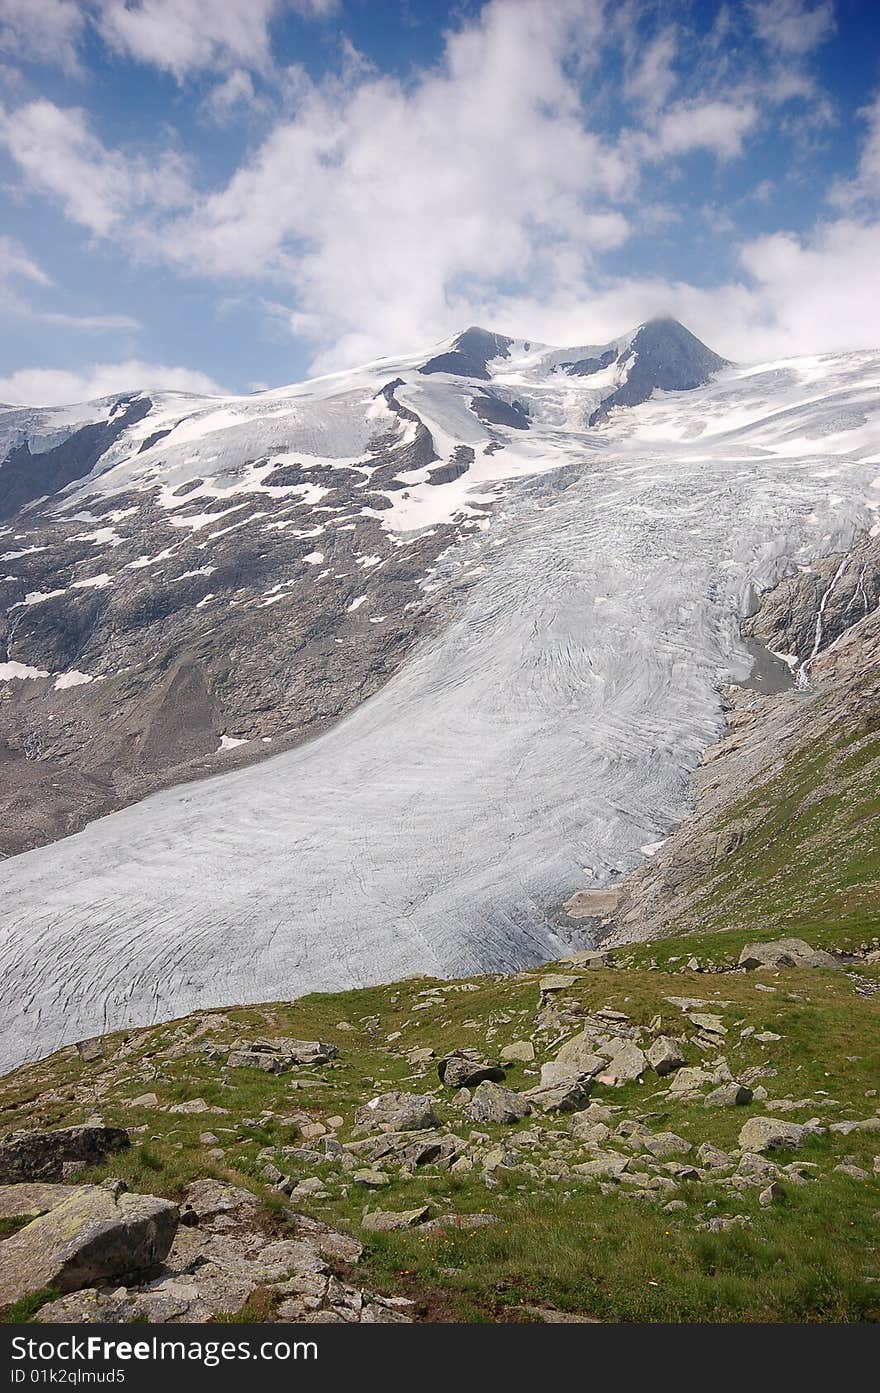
211,1199
568,1095
93,1236
729,1095
665,1055
772,1133
465,1069
628,1064
53,1155
553,982
521,1050
784,952
387,1220
491,1103
397,1112
578,1056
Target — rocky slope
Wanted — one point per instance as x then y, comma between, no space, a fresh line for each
618,1138
786,830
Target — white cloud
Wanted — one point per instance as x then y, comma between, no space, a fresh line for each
55,387
14,261
45,31
182,36
99,188
651,81
865,187
717,126
791,26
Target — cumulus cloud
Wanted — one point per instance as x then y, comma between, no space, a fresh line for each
378,213
98,188
45,31
182,36
55,387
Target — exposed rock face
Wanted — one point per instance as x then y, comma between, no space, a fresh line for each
93,1235
470,353
52,1155
664,355
753,781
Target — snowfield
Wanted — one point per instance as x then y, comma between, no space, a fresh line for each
542,742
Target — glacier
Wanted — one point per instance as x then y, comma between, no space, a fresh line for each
535,744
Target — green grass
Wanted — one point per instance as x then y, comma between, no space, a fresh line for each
557,1241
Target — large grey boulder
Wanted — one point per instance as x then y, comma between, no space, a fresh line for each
569,1094
491,1103
465,1069
773,1133
53,1155
579,1057
627,1065
665,1055
93,1236
784,952
397,1112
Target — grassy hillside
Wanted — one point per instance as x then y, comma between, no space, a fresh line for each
562,1239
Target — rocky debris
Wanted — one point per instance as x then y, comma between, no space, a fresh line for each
664,1055
520,1051
214,1266
492,1103
625,1066
277,1056
57,1154
387,1220
772,1133
93,1235
784,952
397,1112
371,1179
465,1068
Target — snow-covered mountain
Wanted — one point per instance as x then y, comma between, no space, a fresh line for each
533,561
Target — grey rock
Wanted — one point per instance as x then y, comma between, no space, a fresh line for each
627,1065
773,1133
397,1112
464,1069
92,1236
492,1103
387,1221
44,1155
784,952
665,1055
729,1095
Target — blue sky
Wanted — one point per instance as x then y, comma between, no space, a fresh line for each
223,194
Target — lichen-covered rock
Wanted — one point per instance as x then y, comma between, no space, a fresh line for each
665,1055
773,1133
95,1235
465,1069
